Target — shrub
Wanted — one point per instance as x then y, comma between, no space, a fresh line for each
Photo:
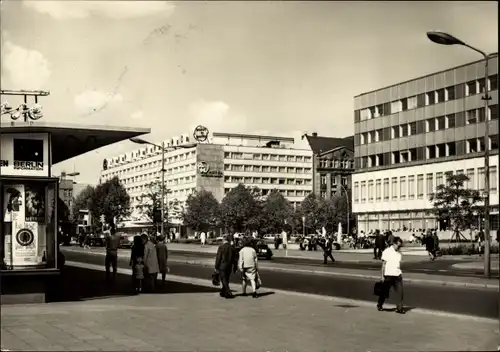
466,249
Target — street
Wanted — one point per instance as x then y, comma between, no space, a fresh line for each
443,298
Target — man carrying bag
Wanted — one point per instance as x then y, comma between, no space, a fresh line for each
392,277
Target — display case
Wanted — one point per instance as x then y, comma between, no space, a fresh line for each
28,231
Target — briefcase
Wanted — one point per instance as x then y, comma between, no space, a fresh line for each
378,288
215,279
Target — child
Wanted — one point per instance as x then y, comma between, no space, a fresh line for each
137,263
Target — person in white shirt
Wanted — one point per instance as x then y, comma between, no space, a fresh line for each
392,275
203,238
247,264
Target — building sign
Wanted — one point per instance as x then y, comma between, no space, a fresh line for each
24,154
205,170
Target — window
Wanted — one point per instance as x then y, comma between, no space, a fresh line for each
470,183
450,121
451,149
411,187
480,83
493,179
396,106
430,98
450,93
480,179
439,179
440,94
493,82
402,187
362,138
323,179
413,128
404,130
412,102
421,100
481,116
363,191
370,191
404,104
386,189
494,112
365,114
470,88
440,123
494,142
356,192
378,189
431,152
471,116
394,182
471,146
431,125
395,132
420,186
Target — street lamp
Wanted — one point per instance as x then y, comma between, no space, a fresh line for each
447,39
163,150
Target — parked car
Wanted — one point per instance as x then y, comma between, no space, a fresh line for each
96,240
261,248
126,240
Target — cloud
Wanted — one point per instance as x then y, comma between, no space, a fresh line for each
63,10
25,68
217,116
137,115
91,101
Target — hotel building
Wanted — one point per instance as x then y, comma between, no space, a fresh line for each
266,162
410,136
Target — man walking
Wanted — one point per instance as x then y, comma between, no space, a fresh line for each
203,238
225,262
391,275
327,250
112,244
151,267
379,245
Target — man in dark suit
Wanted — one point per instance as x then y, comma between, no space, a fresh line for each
225,262
327,250
379,245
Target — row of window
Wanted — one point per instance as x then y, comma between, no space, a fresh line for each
118,161
458,91
336,164
334,180
412,186
269,157
430,152
429,125
266,168
267,180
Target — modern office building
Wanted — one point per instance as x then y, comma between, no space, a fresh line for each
410,136
266,162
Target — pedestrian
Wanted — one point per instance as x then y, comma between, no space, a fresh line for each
430,246
378,245
436,244
327,250
162,254
391,275
112,243
150,262
247,263
284,237
203,238
225,262
137,263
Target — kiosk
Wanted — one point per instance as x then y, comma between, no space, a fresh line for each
28,197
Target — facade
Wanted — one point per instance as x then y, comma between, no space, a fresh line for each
267,162
410,136
333,165
66,191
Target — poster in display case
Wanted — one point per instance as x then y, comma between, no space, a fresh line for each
29,227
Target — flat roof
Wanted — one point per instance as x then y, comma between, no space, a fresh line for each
492,55
252,136
70,140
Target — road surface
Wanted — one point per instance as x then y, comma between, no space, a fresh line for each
477,302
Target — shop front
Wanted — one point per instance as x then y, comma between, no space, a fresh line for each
29,244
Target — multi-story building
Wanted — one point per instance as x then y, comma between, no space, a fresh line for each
410,136
266,162
66,191
333,164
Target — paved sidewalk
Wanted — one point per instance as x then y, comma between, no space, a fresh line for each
479,265
201,321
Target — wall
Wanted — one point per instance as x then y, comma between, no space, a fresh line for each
211,156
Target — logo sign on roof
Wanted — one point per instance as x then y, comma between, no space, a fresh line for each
200,134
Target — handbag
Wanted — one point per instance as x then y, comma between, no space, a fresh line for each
378,288
258,281
215,279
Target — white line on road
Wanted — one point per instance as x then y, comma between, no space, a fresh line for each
339,300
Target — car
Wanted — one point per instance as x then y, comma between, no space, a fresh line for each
261,248
96,240
126,240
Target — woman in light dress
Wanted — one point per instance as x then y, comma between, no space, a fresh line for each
247,263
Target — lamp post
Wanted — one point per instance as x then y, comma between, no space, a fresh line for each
347,200
447,39
163,150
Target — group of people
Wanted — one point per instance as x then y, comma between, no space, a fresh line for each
228,261
147,259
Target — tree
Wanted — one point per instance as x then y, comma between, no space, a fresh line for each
150,203
202,211
111,200
239,209
82,201
63,213
455,203
308,211
276,213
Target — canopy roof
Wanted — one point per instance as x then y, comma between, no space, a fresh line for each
70,140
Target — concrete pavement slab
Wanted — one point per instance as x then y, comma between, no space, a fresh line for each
204,322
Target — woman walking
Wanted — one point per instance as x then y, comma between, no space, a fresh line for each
137,263
247,263
162,254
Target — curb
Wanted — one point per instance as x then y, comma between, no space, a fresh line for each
330,273
208,283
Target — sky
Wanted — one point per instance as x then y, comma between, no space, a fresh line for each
274,68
